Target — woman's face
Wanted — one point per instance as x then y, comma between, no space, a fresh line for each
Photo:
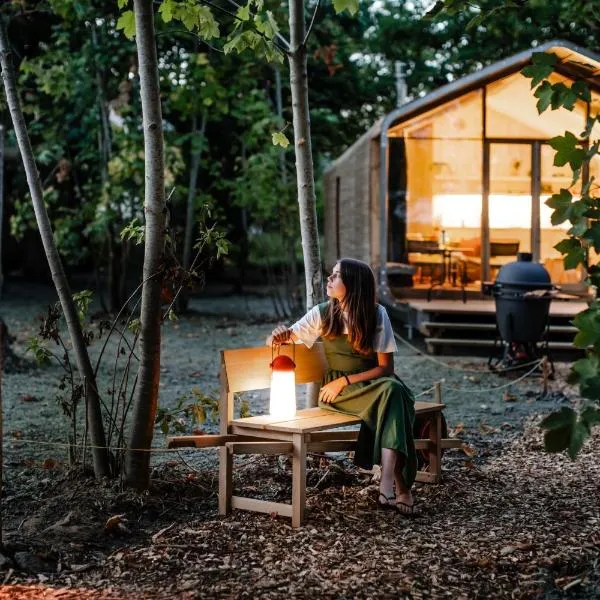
335,286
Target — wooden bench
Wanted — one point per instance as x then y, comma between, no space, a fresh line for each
248,369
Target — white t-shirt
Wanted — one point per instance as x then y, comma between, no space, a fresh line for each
308,329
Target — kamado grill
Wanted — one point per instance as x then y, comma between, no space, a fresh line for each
522,293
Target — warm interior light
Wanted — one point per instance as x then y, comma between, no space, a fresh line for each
282,403
506,211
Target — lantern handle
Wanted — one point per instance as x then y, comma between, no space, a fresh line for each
273,345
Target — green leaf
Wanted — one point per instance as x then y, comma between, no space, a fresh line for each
557,440
561,203
280,139
208,28
565,417
537,73
563,96
592,235
582,90
266,25
568,150
579,433
585,368
590,415
544,58
574,258
588,323
579,229
341,5
243,12
122,3
590,387
126,22
241,41
544,92
565,246
166,10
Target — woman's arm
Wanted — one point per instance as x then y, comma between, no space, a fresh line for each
384,368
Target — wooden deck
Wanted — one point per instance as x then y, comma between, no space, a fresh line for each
558,308
449,324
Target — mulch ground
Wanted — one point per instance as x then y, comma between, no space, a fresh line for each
514,524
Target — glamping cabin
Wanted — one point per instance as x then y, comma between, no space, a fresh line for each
442,192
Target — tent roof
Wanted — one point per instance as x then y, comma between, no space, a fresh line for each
575,62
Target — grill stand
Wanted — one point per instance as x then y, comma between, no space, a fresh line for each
517,355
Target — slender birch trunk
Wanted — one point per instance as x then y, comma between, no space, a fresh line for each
137,460
189,217
304,161
94,414
307,203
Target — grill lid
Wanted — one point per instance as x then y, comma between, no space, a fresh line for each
524,274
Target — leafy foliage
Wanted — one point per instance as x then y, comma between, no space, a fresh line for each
565,430
195,408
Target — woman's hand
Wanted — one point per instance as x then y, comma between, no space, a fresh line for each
329,392
280,335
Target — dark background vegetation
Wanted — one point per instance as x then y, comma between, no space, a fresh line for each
66,72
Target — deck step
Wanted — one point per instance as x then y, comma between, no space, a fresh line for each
427,327
432,342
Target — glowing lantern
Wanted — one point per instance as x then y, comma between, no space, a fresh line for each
283,386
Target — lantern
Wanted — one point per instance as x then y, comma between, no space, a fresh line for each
283,385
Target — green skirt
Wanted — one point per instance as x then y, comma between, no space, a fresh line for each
387,410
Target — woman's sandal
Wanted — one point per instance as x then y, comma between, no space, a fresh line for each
406,510
389,502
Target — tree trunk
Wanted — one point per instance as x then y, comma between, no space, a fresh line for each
304,162
137,460
1,205
184,296
94,414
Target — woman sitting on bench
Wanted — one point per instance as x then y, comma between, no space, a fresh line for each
359,345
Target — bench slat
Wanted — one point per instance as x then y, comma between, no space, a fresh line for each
263,506
301,424
267,448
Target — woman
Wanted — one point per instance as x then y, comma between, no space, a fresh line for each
359,345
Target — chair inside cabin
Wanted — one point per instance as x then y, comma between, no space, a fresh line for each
425,254
502,251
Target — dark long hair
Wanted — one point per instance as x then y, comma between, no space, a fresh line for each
359,303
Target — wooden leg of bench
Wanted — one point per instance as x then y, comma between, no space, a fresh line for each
435,453
225,480
298,479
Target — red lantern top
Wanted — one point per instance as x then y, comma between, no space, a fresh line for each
283,363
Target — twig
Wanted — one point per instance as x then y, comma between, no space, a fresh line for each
185,31
312,22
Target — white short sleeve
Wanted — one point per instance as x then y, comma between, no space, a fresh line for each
384,341
308,328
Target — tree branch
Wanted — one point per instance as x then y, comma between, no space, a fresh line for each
312,22
191,33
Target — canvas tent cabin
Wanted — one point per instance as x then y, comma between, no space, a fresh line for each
467,169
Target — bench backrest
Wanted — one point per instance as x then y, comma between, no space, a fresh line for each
248,369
